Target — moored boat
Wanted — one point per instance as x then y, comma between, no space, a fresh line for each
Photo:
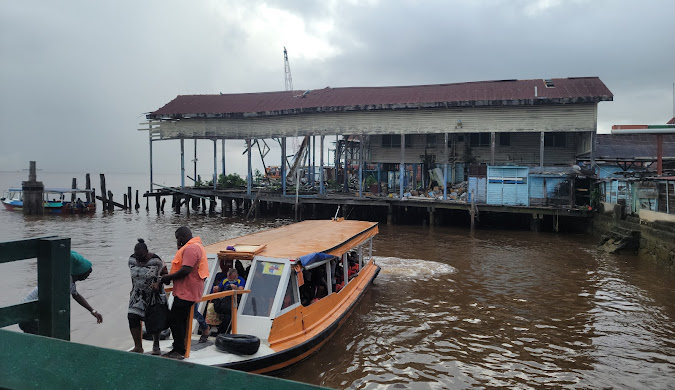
55,201
304,281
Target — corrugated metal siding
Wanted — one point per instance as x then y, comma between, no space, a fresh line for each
477,186
459,172
568,118
501,188
608,171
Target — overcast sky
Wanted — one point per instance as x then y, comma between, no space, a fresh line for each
76,77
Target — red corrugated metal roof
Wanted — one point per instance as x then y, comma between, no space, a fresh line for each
671,122
482,93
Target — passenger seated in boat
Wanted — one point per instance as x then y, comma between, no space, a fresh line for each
233,282
353,265
79,203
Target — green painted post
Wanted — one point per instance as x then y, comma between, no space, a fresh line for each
54,287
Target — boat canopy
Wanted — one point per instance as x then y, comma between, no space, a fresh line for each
294,241
53,190
313,258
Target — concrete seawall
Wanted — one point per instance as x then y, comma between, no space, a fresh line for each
656,233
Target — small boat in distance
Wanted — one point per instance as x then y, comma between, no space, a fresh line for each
304,281
56,201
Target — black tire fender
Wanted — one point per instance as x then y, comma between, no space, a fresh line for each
238,344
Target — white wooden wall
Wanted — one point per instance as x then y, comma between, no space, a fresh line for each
567,118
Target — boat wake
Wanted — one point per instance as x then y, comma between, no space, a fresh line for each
412,268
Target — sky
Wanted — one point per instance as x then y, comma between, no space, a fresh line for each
77,77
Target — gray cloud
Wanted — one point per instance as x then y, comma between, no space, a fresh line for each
75,78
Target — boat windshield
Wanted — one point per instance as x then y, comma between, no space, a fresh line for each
264,284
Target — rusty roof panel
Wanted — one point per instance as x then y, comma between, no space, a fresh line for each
482,93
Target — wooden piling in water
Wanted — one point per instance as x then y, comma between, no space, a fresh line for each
147,201
204,205
111,204
87,185
137,206
104,193
129,196
157,204
163,203
126,198
74,186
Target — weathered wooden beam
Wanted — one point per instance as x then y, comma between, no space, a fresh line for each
109,201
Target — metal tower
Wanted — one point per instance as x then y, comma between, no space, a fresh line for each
287,70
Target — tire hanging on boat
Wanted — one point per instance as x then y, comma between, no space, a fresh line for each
238,344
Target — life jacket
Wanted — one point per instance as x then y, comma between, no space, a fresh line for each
203,267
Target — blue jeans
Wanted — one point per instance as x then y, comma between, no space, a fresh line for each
200,319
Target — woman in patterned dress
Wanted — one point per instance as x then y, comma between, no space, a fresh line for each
145,268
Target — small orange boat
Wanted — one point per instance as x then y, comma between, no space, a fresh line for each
304,281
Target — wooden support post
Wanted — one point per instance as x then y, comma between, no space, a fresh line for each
111,202
283,166
492,147
249,176
129,196
379,178
223,154
87,186
322,189
150,142
104,193
74,186
414,176
147,201
203,205
659,154
126,199
182,164
432,216
215,165
313,151
163,203
345,187
401,168
137,206
361,167
233,312
472,211
187,204
157,204
195,161
390,214
445,167
541,149
188,333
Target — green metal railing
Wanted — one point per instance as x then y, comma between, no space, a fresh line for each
33,361
30,362
52,309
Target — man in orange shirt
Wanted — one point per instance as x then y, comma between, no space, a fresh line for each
189,269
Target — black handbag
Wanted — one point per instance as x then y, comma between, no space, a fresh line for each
156,314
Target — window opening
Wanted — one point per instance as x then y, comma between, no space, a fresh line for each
264,284
504,139
394,140
479,139
555,140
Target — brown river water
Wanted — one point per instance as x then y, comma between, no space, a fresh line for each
450,309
